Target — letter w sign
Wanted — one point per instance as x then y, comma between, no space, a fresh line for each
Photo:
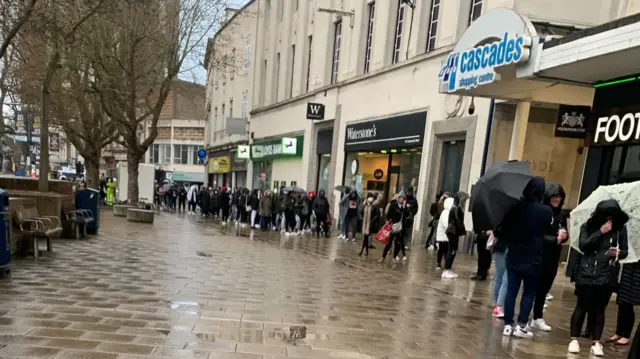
315,111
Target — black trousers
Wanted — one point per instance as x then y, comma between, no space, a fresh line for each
547,276
398,239
443,249
592,300
484,256
451,253
182,205
351,224
626,319
321,223
305,222
431,237
365,244
192,206
290,218
225,213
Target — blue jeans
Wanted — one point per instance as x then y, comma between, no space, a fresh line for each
500,281
529,275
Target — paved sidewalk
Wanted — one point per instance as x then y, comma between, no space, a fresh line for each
185,288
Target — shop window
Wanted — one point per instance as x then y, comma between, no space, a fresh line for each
323,172
408,162
262,174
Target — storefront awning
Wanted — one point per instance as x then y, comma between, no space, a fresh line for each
597,54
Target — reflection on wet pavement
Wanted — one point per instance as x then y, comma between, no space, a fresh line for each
184,288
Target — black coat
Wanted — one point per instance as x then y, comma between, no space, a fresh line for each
596,268
551,250
224,201
396,213
629,287
321,206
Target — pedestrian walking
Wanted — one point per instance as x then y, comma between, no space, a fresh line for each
396,212
244,208
451,227
290,204
321,209
441,237
524,227
552,247
603,241
370,217
254,203
111,192
224,202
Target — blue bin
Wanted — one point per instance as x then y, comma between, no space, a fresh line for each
5,235
90,199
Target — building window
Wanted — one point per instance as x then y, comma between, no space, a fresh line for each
293,65
277,76
297,5
180,154
367,50
223,123
397,41
244,104
165,154
154,154
263,95
336,52
310,44
231,108
247,54
433,25
195,160
476,10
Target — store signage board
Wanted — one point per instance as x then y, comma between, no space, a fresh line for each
315,111
476,66
572,121
616,126
243,152
395,132
220,164
279,148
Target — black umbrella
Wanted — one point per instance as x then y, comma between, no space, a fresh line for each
497,192
342,188
295,189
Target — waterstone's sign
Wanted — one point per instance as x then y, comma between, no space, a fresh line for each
474,67
353,134
389,133
619,126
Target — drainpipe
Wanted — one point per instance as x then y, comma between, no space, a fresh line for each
487,137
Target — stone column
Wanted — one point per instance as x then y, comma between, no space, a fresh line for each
519,134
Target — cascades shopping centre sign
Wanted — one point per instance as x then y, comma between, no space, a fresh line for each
474,67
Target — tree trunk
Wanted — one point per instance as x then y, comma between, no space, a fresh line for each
43,184
133,161
92,163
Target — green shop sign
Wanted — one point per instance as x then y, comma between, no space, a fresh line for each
281,148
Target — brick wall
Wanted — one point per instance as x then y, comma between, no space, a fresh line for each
188,133
189,102
164,133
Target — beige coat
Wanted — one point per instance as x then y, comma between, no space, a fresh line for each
366,215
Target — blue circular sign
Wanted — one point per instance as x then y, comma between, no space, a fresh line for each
202,153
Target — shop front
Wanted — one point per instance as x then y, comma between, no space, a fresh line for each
219,169
277,159
240,157
384,156
324,143
188,177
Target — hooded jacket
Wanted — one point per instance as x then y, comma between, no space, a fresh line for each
321,205
412,206
224,199
551,249
443,221
344,205
266,204
596,268
193,193
525,226
370,216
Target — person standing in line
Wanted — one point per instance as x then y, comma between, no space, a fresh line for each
275,209
524,228
290,213
224,201
412,207
433,224
192,197
370,217
501,279
254,202
453,226
243,207
321,209
265,208
603,241
627,296
484,256
182,199
351,217
396,212
306,211
343,204
557,235
441,237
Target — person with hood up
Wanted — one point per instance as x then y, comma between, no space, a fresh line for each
321,209
277,210
224,202
215,202
205,200
290,204
433,224
396,212
192,197
254,203
603,241
343,204
524,228
370,217
243,207
265,210
412,206
351,217
441,236
307,201
557,235
182,198
111,191
450,229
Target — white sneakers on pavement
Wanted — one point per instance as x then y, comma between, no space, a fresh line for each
597,350
574,347
523,332
508,331
447,274
540,324
549,297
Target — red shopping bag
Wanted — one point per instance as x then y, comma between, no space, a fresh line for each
384,233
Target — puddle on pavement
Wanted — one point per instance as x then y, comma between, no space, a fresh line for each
204,254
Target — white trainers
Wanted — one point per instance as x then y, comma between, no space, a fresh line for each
540,324
549,297
574,347
287,234
524,333
396,259
508,331
404,259
449,275
597,350
545,306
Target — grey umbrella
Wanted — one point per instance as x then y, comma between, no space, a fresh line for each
294,189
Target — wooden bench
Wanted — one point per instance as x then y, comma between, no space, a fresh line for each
79,219
37,227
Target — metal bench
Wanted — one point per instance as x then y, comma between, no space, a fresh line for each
36,227
80,219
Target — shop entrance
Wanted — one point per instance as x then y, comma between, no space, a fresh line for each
451,168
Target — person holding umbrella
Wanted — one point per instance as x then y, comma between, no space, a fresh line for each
602,241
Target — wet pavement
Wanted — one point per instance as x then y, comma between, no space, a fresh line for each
185,288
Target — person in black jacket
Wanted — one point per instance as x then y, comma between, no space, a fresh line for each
557,234
603,241
224,202
627,296
254,203
321,209
433,224
182,199
412,208
484,257
397,213
524,228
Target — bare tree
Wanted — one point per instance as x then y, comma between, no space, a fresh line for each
141,48
14,14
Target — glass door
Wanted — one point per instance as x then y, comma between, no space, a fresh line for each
393,182
451,167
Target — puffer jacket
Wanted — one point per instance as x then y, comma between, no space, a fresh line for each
321,205
443,221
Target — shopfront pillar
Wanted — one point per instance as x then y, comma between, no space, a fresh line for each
519,134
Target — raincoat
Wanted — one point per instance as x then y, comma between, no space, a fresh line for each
111,192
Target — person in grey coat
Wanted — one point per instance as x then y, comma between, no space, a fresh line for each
344,203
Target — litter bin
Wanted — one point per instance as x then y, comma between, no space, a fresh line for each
5,236
90,199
